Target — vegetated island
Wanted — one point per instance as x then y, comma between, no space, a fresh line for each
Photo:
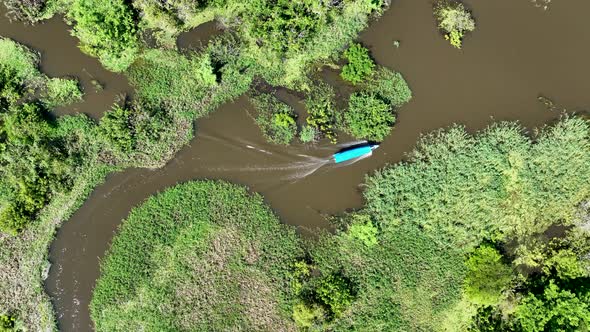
472,233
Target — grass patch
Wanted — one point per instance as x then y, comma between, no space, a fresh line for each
202,255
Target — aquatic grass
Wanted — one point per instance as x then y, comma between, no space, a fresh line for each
500,183
214,253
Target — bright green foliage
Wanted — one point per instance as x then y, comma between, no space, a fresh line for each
321,110
300,274
390,86
308,134
554,310
406,282
275,118
61,91
116,128
107,30
7,323
306,316
200,256
368,117
499,183
336,293
454,20
359,66
455,38
20,61
487,276
363,230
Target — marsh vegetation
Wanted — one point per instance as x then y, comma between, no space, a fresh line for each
478,232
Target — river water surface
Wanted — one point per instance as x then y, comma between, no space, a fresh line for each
517,53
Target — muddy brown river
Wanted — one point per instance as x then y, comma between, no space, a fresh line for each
517,53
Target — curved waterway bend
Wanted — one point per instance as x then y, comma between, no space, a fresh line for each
517,52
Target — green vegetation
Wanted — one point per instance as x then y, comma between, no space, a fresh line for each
454,20
487,276
390,86
321,110
308,134
503,188
359,66
216,258
406,261
107,30
61,91
368,117
275,118
116,128
498,185
48,167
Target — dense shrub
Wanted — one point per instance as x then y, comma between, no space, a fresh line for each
215,258
359,66
43,166
286,25
275,118
487,276
555,309
116,128
454,20
61,92
390,86
107,30
321,110
368,117
336,293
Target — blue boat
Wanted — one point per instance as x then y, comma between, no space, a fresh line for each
354,152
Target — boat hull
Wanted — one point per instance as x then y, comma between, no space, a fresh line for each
357,152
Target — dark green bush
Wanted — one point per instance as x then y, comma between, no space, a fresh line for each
107,30
336,293
390,86
321,110
359,66
368,117
43,165
116,128
275,118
